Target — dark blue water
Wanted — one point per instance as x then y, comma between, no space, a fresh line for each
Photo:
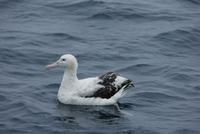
154,42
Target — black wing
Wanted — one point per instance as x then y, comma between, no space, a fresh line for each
110,86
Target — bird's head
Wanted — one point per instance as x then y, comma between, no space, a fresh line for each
67,61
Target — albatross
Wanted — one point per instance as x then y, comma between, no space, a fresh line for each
103,90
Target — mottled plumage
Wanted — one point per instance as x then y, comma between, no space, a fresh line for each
112,83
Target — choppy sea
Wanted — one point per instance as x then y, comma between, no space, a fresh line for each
156,43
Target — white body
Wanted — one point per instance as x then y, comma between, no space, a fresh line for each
73,91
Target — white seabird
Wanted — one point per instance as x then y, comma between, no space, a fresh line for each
103,90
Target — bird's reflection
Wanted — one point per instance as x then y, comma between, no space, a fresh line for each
87,116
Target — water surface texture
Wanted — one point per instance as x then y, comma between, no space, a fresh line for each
156,43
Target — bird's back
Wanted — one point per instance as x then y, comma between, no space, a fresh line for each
111,83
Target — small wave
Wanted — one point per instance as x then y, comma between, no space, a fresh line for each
23,73
9,3
9,37
179,77
60,35
133,15
13,107
87,3
101,10
171,34
65,118
7,54
101,16
126,105
106,115
140,66
139,130
118,15
12,56
186,40
28,16
187,37
18,120
145,69
53,85
186,131
64,36
194,2
77,5
157,97
197,88
3,98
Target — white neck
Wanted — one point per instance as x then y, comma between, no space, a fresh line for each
69,77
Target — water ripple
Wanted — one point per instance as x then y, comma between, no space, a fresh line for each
155,43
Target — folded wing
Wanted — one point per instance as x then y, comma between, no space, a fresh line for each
111,84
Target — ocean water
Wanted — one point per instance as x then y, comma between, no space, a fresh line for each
156,43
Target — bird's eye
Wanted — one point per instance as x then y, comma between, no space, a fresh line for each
63,59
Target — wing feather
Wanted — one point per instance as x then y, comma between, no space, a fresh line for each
111,83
